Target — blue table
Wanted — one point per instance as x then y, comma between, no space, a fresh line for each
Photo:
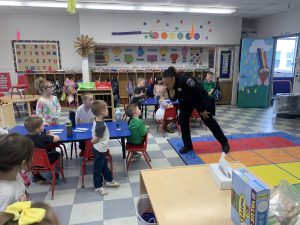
87,135
153,101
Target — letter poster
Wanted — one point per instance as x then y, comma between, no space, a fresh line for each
36,56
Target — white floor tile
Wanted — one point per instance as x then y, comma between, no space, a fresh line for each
61,198
86,212
123,221
124,191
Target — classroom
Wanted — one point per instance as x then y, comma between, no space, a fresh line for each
165,112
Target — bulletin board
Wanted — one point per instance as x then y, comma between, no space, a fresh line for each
36,56
5,83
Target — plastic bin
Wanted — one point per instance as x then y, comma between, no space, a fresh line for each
143,205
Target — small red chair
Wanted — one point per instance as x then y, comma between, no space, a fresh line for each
169,116
41,163
195,115
88,156
62,148
22,84
138,148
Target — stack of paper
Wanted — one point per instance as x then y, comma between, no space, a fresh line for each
80,129
57,131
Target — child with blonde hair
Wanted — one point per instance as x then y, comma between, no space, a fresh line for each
48,106
38,213
164,103
100,134
15,154
84,115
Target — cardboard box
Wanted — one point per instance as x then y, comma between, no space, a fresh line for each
249,199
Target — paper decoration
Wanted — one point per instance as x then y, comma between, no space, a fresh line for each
184,53
36,55
18,35
174,57
128,58
5,83
71,6
263,72
225,63
101,56
192,32
152,58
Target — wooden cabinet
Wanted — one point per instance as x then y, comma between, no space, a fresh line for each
101,94
7,114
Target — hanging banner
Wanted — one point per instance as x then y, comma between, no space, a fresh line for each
5,83
225,64
255,67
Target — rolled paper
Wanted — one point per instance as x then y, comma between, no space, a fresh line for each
265,60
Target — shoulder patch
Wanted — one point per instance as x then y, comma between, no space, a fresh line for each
190,82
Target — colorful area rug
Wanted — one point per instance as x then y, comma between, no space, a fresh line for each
271,156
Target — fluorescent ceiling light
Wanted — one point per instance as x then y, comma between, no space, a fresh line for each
47,4
106,6
212,10
161,9
119,7
10,3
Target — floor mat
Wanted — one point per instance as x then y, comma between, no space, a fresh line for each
294,151
292,168
276,155
249,158
272,174
213,157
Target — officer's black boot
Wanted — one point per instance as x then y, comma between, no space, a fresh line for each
184,150
226,147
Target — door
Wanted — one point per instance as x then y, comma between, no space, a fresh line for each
284,64
255,66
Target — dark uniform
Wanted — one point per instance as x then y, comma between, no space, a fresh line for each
191,95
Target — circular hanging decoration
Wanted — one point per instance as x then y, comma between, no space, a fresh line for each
84,45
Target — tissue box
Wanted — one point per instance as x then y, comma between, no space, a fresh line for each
249,199
221,180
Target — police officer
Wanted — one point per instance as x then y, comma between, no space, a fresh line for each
191,95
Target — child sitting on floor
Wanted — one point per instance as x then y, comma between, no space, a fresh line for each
15,154
35,127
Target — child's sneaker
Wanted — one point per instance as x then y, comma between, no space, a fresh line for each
113,183
101,191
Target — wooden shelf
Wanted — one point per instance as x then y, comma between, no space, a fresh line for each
105,95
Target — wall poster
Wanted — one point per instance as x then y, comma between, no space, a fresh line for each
36,56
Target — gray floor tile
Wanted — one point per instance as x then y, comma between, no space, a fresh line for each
63,213
85,195
118,208
176,162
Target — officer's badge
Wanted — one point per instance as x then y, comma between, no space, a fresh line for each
179,89
190,82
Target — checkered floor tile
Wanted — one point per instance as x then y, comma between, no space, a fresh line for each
76,205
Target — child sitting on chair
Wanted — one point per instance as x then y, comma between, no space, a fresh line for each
139,92
15,154
136,126
47,106
35,127
100,141
164,103
84,114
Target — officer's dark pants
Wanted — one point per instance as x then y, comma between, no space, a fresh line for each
211,123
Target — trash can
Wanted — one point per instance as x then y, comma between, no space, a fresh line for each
144,206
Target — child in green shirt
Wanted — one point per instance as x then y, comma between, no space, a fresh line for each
136,125
209,85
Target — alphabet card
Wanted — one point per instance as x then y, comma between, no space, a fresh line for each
36,56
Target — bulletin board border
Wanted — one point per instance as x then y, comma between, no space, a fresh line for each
13,42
